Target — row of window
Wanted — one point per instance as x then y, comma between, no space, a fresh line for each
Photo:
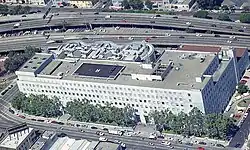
104,88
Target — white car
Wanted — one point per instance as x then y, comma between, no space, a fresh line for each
101,134
103,139
188,23
131,38
198,35
229,41
123,145
119,142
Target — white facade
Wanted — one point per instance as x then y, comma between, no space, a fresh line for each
177,86
141,98
37,2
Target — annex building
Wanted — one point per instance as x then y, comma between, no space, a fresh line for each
137,75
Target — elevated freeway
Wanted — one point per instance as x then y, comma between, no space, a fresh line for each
73,20
19,43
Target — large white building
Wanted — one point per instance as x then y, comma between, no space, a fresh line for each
137,75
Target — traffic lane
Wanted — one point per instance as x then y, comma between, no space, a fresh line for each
241,134
116,18
74,132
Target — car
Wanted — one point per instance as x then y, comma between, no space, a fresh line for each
117,141
130,38
202,143
40,120
237,145
152,144
153,37
213,25
229,41
101,134
220,145
175,17
11,111
240,30
96,13
200,35
200,148
107,17
58,41
147,39
188,143
216,35
24,16
123,145
124,20
62,135
152,21
103,139
93,127
167,34
188,23
181,37
157,15
229,27
82,130
38,11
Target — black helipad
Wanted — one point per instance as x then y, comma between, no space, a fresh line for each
98,70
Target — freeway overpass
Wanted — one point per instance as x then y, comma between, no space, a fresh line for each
131,20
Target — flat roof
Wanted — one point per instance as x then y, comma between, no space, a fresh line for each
182,76
200,48
107,146
98,70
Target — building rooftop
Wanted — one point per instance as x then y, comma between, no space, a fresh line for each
66,143
135,51
15,136
198,48
174,70
106,146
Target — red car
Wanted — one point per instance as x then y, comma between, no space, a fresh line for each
243,81
21,116
147,39
201,148
124,20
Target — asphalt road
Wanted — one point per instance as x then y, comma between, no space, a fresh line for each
75,19
131,142
19,43
241,134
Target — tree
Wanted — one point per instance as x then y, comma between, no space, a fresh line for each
245,17
4,9
125,4
136,4
242,88
39,105
201,14
149,4
224,17
84,111
208,4
16,60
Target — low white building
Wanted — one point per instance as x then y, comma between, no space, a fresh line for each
174,5
19,137
177,80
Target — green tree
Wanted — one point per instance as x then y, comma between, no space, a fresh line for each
136,4
16,60
149,4
125,4
208,4
201,14
39,105
242,88
245,17
224,17
4,9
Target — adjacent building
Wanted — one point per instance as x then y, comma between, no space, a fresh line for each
51,141
137,75
81,3
173,5
18,137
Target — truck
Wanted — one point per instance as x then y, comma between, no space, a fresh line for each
115,132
